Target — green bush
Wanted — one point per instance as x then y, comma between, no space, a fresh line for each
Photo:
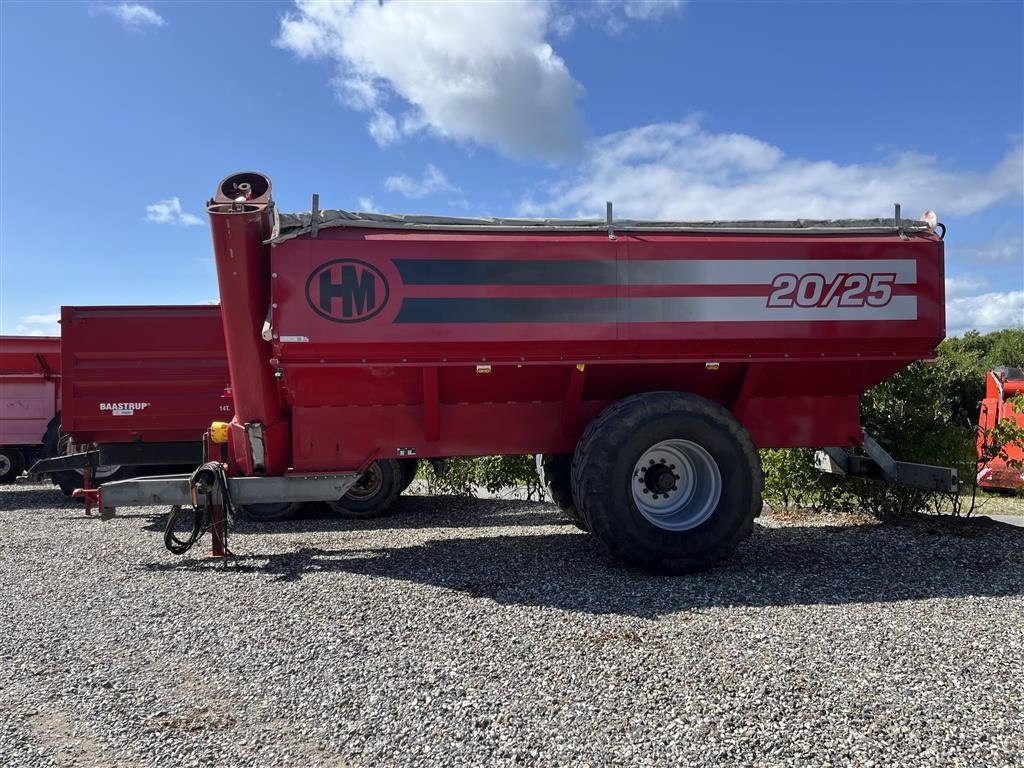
925,413
464,476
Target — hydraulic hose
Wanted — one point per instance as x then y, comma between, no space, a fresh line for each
207,479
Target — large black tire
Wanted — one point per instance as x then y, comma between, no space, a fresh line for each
270,512
555,470
409,469
606,466
375,492
12,464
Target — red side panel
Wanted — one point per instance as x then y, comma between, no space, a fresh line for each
156,374
29,387
475,343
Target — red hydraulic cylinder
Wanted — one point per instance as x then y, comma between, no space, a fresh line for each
240,222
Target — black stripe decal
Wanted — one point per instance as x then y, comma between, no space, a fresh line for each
507,311
506,272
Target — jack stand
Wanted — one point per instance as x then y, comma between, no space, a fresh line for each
90,496
87,497
219,531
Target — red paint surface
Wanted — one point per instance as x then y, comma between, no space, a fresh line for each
170,358
30,388
999,473
358,390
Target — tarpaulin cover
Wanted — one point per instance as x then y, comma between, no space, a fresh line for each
291,225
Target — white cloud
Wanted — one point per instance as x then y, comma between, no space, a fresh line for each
367,205
468,71
47,324
616,15
133,16
987,312
965,285
432,181
1008,250
562,26
682,171
170,212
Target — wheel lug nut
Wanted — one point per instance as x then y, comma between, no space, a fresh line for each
671,466
650,461
676,476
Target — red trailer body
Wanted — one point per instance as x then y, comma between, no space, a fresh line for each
1000,473
566,324
30,391
646,361
413,338
142,374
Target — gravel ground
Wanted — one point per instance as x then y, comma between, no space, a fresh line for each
461,632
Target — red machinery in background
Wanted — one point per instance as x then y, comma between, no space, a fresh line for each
140,387
1005,472
646,360
30,393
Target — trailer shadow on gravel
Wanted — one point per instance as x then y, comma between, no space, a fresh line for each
792,564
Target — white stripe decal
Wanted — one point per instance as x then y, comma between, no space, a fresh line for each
758,272
724,309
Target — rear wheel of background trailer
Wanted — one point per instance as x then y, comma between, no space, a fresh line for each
669,482
11,464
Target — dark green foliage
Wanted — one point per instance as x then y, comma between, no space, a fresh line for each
466,476
924,413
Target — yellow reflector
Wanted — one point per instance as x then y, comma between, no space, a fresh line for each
219,432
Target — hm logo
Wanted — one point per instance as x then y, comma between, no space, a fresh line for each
347,291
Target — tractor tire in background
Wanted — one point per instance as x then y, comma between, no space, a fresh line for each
12,464
555,470
669,482
270,512
375,492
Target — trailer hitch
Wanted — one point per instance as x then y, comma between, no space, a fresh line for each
879,465
90,497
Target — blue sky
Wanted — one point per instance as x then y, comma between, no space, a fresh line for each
119,118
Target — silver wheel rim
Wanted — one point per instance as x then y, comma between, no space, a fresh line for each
5,464
368,485
102,472
676,485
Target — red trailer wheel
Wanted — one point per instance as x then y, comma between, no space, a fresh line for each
669,482
375,492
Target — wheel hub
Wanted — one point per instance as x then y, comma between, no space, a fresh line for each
676,485
368,485
5,464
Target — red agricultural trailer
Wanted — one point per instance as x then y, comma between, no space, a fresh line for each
30,391
140,387
996,472
646,360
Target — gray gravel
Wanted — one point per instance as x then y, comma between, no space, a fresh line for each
462,632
